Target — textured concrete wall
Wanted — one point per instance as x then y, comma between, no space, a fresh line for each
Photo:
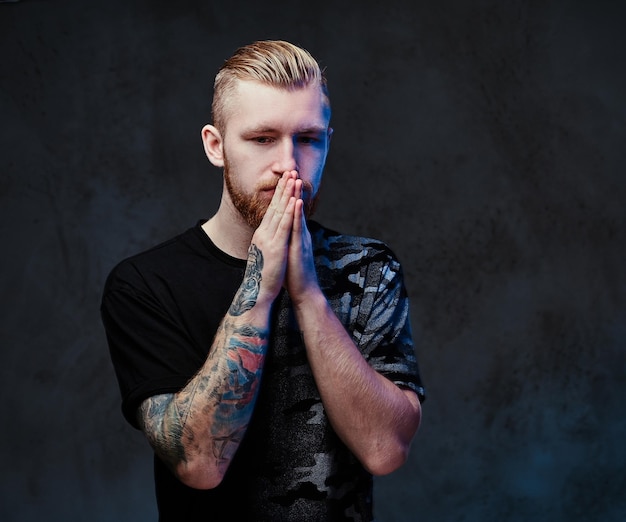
484,141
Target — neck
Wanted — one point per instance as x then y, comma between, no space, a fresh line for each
229,232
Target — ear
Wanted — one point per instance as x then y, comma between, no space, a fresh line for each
330,132
213,145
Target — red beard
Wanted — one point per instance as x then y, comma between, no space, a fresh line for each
252,207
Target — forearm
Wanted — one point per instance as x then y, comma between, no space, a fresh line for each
373,417
198,430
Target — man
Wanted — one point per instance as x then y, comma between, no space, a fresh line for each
267,359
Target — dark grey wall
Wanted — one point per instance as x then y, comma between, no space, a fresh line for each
484,141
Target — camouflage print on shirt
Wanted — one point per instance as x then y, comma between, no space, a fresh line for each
304,471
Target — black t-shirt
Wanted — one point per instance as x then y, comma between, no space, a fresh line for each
161,310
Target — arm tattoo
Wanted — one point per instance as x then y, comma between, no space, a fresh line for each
227,389
249,291
221,397
161,422
236,394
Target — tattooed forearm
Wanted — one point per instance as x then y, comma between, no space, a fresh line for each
211,414
197,430
160,420
249,291
238,391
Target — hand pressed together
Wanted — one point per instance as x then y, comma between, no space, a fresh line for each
301,278
284,243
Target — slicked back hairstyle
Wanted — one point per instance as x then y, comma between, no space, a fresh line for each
273,62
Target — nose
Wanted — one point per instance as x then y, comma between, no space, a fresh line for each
286,157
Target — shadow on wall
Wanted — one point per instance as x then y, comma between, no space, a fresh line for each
483,143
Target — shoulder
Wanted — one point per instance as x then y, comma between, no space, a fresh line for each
132,267
332,247
154,262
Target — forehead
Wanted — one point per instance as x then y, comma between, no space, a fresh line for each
255,104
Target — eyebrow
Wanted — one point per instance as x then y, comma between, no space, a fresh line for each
261,129
313,130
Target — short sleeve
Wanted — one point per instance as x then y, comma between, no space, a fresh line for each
150,350
384,333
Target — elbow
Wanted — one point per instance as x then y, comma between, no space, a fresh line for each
391,452
200,474
387,460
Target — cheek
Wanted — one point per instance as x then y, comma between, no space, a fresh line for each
243,166
313,158
316,171
256,161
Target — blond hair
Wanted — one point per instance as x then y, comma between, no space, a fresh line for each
273,62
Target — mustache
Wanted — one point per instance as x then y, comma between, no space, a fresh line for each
307,188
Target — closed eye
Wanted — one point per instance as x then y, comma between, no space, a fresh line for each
310,139
262,140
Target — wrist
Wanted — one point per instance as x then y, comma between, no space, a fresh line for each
310,298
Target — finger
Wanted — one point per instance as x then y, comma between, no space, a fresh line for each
281,206
275,203
280,187
267,218
297,223
278,192
298,189
285,225
286,195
